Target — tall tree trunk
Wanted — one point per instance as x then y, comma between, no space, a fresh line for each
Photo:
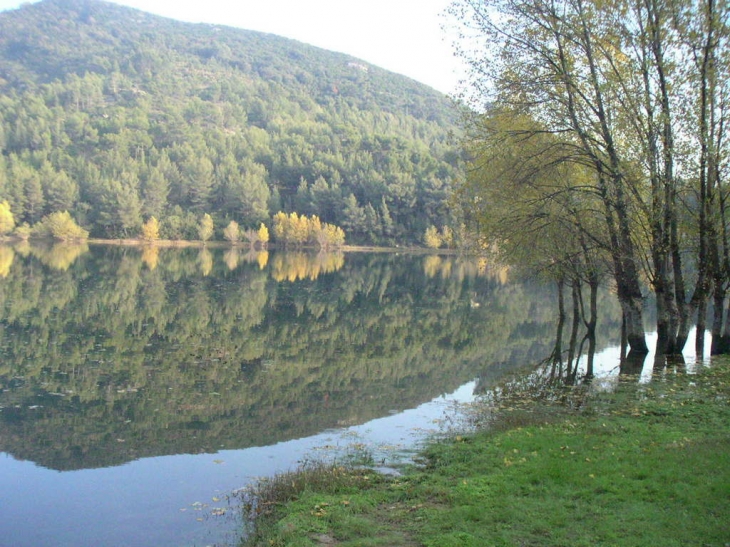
712,269
609,174
663,209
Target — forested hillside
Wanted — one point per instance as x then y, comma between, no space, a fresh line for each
116,116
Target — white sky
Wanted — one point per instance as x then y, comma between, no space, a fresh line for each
404,36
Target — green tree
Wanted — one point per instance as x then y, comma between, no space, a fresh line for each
62,192
154,193
604,79
354,220
34,199
198,179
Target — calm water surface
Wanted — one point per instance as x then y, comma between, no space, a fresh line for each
140,388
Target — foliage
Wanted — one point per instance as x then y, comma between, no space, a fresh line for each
447,237
232,232
7,221
432,238
605,128
59,225
116,115
206,227
296,230
151,230
23,231
263,234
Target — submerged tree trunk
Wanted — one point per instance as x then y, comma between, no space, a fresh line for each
632,307
572,358
591,325
666,313
626,273
720,338
624,342
557,355
723,341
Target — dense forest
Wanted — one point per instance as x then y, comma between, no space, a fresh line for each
117,116
193,349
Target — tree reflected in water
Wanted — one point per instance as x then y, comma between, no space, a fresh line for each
108,354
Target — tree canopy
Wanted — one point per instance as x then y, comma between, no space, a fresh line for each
601,127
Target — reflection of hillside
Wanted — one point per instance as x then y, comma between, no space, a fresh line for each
114,359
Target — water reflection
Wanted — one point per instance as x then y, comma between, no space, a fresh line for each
115,354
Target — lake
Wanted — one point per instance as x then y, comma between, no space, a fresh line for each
140,388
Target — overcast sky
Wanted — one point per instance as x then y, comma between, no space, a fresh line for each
404,36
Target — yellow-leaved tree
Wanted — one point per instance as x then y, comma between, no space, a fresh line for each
432,238
7,221
206,227
151,230
263,233
60,225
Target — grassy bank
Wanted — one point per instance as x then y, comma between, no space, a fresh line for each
641,465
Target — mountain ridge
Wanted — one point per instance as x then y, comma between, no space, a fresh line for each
342,138
86,13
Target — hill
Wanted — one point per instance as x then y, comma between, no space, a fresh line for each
117,115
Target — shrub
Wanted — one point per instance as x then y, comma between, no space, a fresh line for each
59,225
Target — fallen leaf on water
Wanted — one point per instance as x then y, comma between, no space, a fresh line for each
218,461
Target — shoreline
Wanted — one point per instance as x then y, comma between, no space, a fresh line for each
183,243
525,477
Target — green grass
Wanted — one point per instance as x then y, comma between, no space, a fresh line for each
642,465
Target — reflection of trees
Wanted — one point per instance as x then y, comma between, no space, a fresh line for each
169,360
150,256
7,255
59,256
294,266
